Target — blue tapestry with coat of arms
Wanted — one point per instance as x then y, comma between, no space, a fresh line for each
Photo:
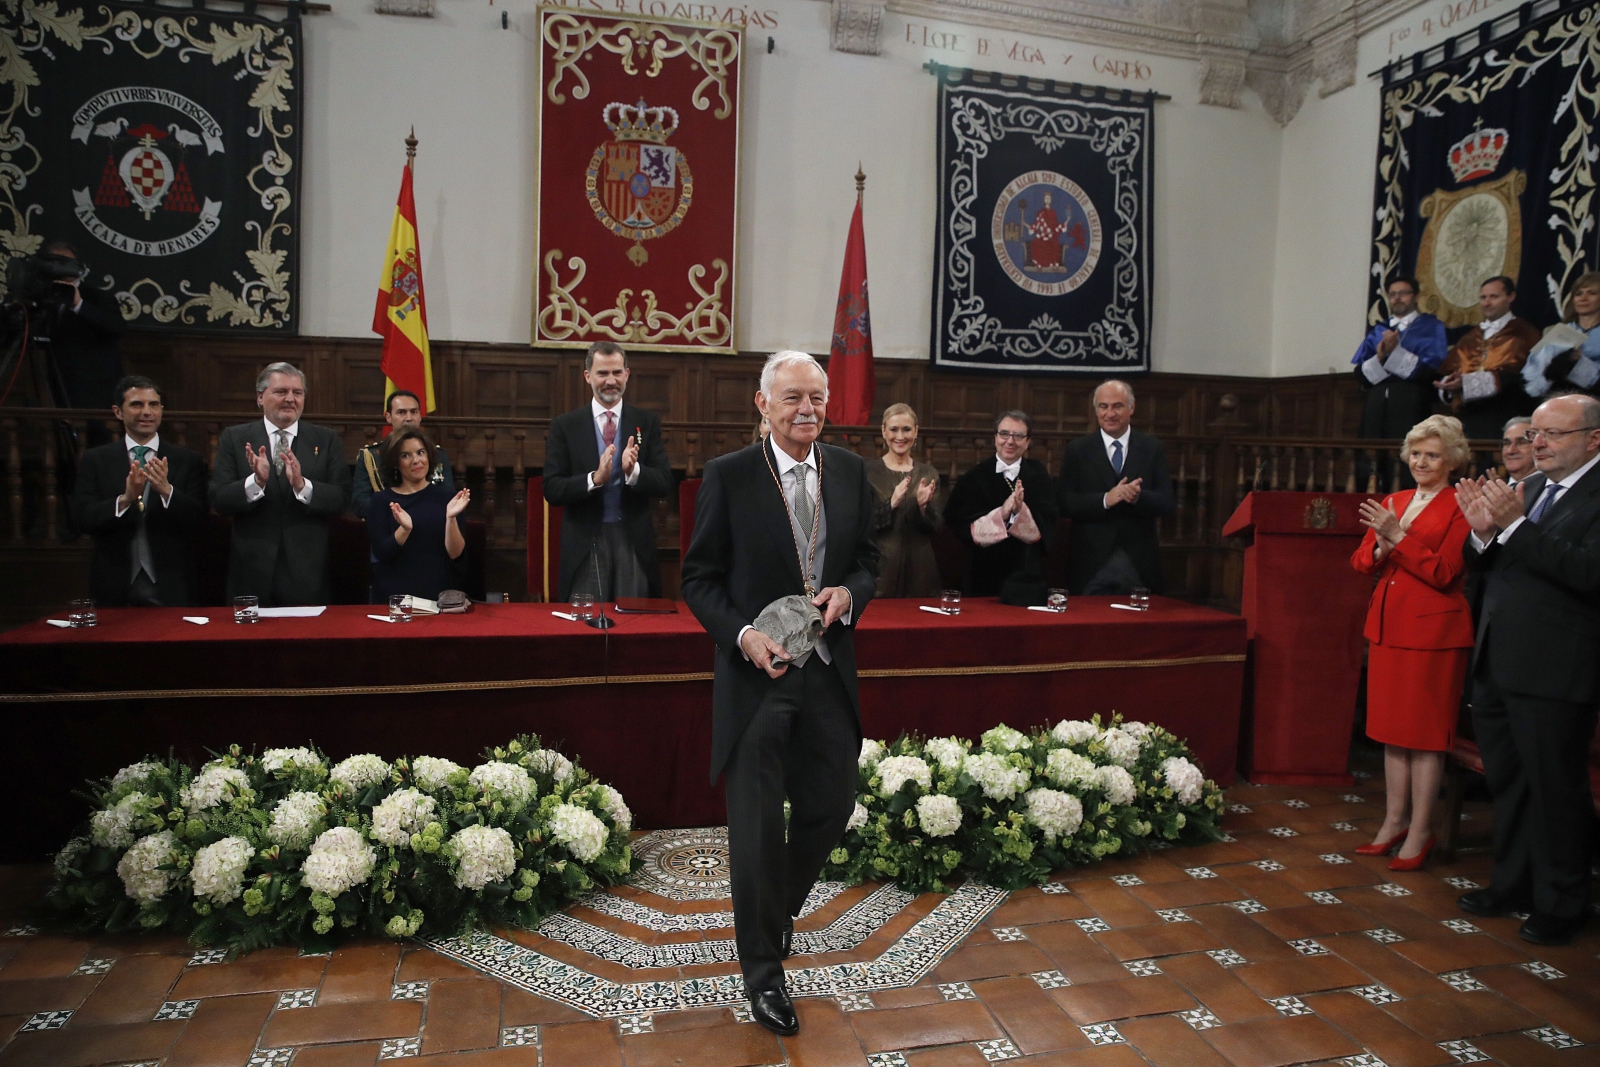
1042,256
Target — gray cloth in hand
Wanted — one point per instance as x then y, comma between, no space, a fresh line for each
795,623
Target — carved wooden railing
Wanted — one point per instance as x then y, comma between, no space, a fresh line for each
493,457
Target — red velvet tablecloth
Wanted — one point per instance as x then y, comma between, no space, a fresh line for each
632,702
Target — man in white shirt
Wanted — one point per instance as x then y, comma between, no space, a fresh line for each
1005,508
282,481
1516,449
1482,374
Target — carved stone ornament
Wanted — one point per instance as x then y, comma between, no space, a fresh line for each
1220,80
1334,60
416,8
856,27
1281,92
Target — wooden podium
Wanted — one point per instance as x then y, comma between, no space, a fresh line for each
1304,607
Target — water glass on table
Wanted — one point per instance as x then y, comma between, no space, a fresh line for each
400,608
80,614
1055,599
1139,599
583,606
950,601
246,609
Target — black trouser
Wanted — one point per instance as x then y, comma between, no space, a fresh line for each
801,746
1536,757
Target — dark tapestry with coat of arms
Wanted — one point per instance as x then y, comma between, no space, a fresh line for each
164,145
1042,255
1487,166
638,182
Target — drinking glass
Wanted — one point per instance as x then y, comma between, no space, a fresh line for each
1055,599
246,609
950,601
80,613
584,607
400,608
1139,599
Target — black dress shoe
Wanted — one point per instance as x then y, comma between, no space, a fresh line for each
1544,929
1488,903
786,939
773,1009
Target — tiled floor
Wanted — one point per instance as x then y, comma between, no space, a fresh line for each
1279,947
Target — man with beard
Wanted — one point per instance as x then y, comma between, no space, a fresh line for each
603,463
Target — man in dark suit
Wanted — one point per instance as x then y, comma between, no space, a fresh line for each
786,516
1114,486
282,481
1536,678
603,463
1009,530
143,500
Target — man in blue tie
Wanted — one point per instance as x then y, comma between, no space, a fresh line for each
1114,486
1535,675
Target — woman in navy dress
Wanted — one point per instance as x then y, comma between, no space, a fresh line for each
412,524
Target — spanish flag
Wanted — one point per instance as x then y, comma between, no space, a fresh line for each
401,317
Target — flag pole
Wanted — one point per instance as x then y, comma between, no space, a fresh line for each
861,182
411,150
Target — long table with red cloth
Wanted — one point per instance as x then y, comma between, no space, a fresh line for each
633,703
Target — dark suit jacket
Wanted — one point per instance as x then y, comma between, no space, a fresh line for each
571,455
278,524
1086,476
742,558
1539,624
172,529
84,344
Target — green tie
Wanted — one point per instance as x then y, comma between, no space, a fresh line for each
140,452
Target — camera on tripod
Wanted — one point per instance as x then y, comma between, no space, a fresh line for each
34,282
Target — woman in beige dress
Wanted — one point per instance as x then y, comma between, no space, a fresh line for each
907,514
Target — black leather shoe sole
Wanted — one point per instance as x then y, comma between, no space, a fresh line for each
775,1011
1487,903
1547,930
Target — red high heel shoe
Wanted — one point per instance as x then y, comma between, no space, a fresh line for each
1415,862
1382,848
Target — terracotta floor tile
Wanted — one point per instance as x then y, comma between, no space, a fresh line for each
249,975
1029,1015
1274,1042
1396,913
693,1019
1217,988
9,1024
949,1056
1569,1003
1384,965
1450,1015
588,1044
352,1054
1459,952
721,1046
1101,1056
1075,954
461,1014
1039,908
423,965
991,961
1101,1002
1167,1041
524,1009
1186,894
130,992
1242,933
932,1024
1292,978
1519,1050
117,1043
909,997
1113,904
1217,853
1157,939
222,1031
359,1021
362,971
825,1038
1371,1027
1330,876
44,957
46,994
1265,886
1312,920
523,1056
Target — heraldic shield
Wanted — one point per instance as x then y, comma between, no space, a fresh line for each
634,245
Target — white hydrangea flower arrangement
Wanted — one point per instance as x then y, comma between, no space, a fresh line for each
359,772
506,784
400,815
117,826
579,830
141,867
214,784
896,771
217,873
297,820
433,774
482,854
285,762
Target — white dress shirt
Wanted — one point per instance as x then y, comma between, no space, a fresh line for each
1106,441
154,445
1566,483
253,489
599,410
1012,471
1494,326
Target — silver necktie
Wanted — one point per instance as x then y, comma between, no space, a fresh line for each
280,446
802,499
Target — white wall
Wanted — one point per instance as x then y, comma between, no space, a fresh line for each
810,115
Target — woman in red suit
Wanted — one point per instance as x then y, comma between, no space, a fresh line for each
1419,634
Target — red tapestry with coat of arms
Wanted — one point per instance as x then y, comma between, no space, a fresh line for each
638,182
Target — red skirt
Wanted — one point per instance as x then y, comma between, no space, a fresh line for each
1414,695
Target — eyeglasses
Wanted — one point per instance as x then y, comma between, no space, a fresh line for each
1551,435
1513,442
1010,435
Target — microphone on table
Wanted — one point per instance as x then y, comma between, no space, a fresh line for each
598,620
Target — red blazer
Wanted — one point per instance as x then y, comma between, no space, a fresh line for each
1418,602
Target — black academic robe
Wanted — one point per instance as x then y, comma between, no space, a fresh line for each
980,491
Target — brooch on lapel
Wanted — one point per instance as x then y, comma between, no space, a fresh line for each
316,450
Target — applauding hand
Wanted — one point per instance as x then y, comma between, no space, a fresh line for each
457,505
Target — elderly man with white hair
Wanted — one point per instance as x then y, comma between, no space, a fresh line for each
782,528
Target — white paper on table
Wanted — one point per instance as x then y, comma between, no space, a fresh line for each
564,615
380,618
936,611
1126,607
1041,607
290,613
198,620
65,625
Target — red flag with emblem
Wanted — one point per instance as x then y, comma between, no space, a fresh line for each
401,317
851,380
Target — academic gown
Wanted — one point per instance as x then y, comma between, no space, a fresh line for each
1401,398
980,491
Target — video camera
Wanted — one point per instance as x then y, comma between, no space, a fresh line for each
34,281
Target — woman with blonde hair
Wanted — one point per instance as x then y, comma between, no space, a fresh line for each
1567,357
1419,635
907,514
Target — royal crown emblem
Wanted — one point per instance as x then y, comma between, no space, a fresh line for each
1477,154
638,187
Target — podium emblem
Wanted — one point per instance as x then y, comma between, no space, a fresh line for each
1321,514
